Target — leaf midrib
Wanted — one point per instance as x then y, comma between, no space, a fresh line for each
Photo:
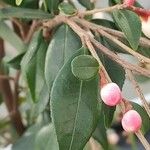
77,111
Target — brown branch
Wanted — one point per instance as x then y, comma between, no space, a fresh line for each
120,61
4,77
143,41
138,91
107,9
143,140
34,26
20,27
7,95
126,48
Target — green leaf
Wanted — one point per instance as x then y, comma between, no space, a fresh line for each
130,24
46,139
42,101
87,3
74,107
25,13
63,45
67,9
84,67
10,36
24,4
100,134
33,64
144,116
15,61
27,141
108,113
18,2
107,42
52,5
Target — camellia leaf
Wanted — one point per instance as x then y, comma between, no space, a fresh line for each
25,13
48,135
100,133
84,67
10,36
18,2
63,45
15,62
52,5
24,4
33,64
74,107
145,118
130,24
67,8
87,3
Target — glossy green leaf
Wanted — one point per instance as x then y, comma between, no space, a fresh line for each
42,101
33,64
107,42
100,134
130,24
144,116
24,4
46,139
108,113
52,5
18,2
87,3
25,13
27,140
67,8
74,107
15,61
63,45
84,67
10,36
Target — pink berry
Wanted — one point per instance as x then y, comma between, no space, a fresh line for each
129,2
131,121
111,94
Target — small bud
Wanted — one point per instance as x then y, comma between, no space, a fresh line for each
131,121
129,3
111,94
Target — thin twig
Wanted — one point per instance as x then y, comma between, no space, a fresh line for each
126,48
116,58
93,52
33,27
19,25
143,41
138,91
141,137
108,9
4,77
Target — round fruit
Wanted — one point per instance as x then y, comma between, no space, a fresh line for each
129,2
111,94
146,26
131,121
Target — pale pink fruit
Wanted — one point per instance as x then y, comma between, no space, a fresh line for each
129,2
131,121
111,94
146,26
